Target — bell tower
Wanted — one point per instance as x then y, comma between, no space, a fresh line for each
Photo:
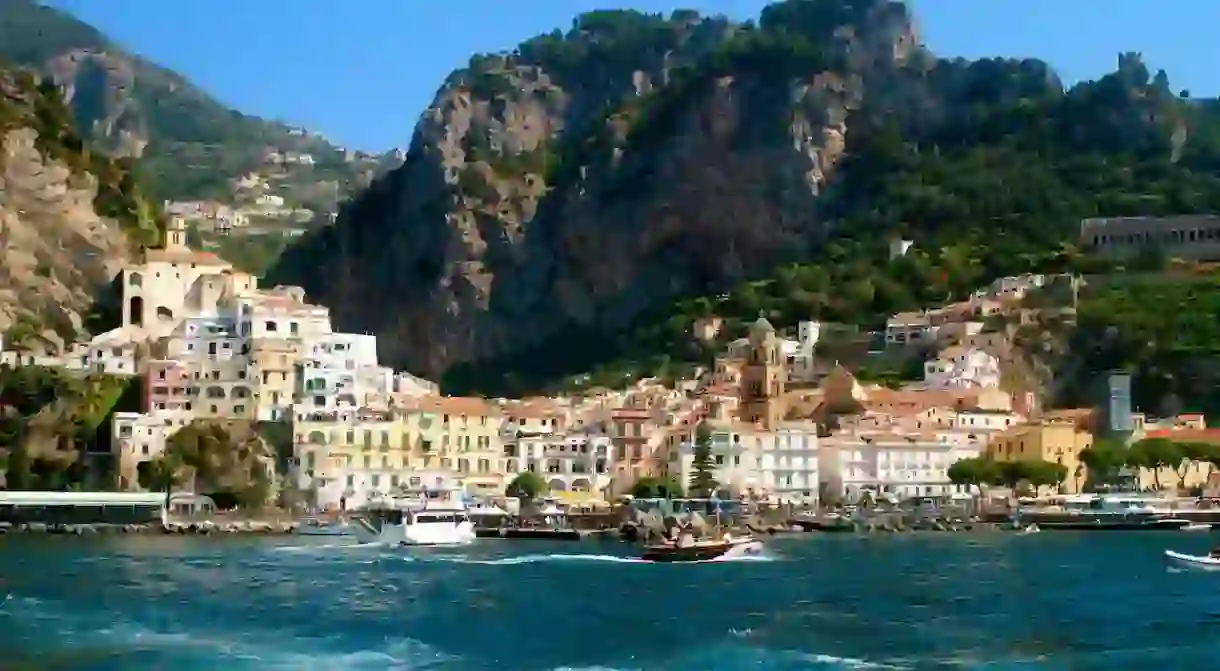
763,378
175,235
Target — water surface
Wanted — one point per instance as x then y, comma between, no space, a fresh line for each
1046,601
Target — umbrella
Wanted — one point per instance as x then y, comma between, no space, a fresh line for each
551,509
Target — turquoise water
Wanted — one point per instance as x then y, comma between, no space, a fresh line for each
1046,601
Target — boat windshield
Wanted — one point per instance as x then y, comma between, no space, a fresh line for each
439,517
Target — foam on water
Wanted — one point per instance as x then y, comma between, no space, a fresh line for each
215,648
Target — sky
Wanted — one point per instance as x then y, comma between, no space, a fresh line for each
361,71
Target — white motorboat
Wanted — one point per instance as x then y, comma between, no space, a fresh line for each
1192,562
1197,526
432,517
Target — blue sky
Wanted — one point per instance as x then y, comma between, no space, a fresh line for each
361,71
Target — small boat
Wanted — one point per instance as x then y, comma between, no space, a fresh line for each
316,527
1031,529
1192,562
689,549
1197,526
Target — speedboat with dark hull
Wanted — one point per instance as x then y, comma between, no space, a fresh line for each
703,550
1119,524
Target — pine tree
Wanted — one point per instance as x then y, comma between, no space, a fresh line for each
702,482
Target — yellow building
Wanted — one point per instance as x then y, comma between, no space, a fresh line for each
274,373
463,435
1058,437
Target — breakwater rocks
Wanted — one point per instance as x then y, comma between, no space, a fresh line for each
171,528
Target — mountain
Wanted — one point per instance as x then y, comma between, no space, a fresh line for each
191,147
70,215
575,204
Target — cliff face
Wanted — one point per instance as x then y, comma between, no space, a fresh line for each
69,217
585,178
191,147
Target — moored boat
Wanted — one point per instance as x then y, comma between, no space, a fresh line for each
689,549
1115,524
1192,562
430,517
1197,526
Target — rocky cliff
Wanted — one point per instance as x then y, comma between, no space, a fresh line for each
191,148
69,215
584,177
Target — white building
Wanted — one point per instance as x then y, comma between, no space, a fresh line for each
572,462
788,462
175,282
962,367
137,437
899,466
110,353
734,452
910,328
1012,288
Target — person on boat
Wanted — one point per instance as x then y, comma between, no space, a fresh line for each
1214,553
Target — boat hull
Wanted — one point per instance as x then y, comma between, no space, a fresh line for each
1115,525
324,531
416,534
703,551
1191,562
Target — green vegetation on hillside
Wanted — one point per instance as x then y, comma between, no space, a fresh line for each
1162,328
998,187
195,144
215,460
27,102
51,419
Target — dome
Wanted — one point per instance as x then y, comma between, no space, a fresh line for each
761,325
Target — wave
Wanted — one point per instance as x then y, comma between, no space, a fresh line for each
744,657
71,635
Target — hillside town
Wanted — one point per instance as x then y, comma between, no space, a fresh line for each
208,344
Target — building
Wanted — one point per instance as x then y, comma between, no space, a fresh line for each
1193,236
138,437
176,281
466,431
909,328
787,462
734,453
763,378
894,465
1059,437
962,367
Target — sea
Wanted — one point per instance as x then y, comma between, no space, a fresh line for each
996,601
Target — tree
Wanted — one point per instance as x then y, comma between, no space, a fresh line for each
527,486
702,480
973,473
1190,454
1041,473
1103,459
657,488
18,476
1154,454
160,474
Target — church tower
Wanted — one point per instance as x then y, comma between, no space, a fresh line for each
763,378
175,235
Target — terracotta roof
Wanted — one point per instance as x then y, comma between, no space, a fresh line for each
896,400
470,406
630,413
185,256
1187,435
537,408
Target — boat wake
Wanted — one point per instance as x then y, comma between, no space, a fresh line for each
558,557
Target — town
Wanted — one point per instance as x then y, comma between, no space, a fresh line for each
207,344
